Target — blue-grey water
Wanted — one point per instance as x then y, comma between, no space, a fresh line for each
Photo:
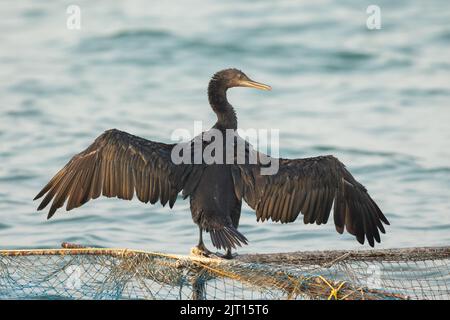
376,99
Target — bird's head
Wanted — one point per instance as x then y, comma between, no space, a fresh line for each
230,78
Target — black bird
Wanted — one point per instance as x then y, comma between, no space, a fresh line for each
119,164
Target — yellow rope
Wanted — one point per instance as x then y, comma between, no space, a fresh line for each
334,291
217,271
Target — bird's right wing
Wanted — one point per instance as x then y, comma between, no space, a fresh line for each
311,186
119,164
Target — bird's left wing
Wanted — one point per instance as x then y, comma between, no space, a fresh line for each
118,164
310,186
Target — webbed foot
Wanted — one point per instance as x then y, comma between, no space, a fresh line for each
201,251
228,255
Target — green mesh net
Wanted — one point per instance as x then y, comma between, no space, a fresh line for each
91,273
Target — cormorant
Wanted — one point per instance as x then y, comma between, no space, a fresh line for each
118,164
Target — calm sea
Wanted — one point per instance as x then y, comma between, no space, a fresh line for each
376,99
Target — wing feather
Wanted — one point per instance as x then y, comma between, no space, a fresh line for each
118,164
311,186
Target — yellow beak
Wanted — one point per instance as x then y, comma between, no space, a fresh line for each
254,84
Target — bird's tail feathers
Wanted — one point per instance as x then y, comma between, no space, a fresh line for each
227,237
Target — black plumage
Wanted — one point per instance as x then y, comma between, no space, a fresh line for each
118,164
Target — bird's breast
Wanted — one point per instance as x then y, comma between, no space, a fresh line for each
215,191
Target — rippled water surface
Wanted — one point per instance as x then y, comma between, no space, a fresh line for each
378,100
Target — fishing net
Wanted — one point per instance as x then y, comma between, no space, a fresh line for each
97,273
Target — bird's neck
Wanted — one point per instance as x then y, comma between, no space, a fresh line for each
226,116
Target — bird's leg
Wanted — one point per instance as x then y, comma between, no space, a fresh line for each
228,255
200,249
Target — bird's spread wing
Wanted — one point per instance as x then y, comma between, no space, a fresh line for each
311,186
119,164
